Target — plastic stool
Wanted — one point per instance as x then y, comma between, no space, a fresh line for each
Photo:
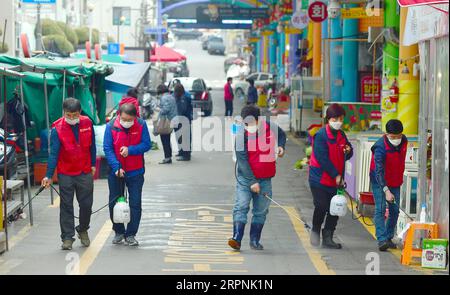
408,251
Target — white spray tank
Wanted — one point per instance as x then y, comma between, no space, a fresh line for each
121,211
338,205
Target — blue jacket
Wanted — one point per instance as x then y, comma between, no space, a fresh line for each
252,94
168,106
140,149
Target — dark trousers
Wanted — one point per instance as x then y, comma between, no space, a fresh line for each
83,186
165,139
322,200
134,185
228,108
179,134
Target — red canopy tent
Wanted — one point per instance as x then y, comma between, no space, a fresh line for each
166,54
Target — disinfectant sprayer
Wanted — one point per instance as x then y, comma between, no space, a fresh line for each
338,205
121,211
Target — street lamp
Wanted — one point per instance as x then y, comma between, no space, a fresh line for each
121,22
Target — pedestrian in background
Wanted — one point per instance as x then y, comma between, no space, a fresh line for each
125,142
167,110
252,94
73,153
386,177
330,149
228,96
184,111
131,97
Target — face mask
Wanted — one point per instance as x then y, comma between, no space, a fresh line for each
72,121
395,142
126,124
252,128
336,125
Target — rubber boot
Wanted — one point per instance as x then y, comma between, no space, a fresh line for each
255,236
314,238
327,240
238,233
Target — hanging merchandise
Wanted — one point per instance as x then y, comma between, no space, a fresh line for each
394,91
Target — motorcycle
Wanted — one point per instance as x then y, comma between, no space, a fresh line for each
148,105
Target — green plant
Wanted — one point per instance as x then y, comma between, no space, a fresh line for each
58,43
50,27
82,34
111,39
69,32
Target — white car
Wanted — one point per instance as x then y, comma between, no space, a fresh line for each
261,79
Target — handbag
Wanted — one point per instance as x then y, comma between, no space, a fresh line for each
162,126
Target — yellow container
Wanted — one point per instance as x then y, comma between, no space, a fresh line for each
262,100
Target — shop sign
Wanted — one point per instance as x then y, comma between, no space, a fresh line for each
299,20
370,89
317,11
407,3
358,12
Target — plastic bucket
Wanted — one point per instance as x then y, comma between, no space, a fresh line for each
366,198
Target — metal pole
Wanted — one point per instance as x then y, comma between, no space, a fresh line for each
118,41
47,120
38,28
26,154
64,88
5,167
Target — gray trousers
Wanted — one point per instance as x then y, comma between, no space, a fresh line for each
83,186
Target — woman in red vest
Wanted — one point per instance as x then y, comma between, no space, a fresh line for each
73,153
386,176
330,146
256,146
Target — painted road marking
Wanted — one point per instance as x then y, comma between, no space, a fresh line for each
94,249
24,232
303,235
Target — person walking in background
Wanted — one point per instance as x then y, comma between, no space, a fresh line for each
228,97
330,149
386,177
125,142
131,97
73,153
184,110
252,95
167,110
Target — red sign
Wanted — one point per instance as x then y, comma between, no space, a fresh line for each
370,89
317,11
406,3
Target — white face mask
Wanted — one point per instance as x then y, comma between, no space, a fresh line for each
126,124
336,125
72,121
395,142
252,128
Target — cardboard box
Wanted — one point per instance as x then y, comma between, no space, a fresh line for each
434,253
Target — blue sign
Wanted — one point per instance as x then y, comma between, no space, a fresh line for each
39,1
155,31
113,48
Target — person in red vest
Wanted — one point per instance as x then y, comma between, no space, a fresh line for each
256,147
228,96
330,148
131,97
125,142
73,153
386,177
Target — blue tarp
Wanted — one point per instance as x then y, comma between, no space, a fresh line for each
126,76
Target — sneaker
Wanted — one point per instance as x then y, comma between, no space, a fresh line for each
166,161
118,239
182,158
391,244
84,238
67,245
131,241
383,246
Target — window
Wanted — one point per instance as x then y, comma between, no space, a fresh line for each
264,77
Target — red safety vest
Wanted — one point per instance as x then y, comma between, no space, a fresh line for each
122,137
394,164
261,156
335,154
74,157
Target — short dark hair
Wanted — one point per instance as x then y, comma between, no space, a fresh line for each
129,109
71,105
334,111
229,79
178,90
133,92
161,89
251,82
394,126
250,111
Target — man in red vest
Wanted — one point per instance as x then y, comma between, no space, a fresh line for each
386,176
125,142
72,152
257,145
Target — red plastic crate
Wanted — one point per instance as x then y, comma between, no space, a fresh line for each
366,198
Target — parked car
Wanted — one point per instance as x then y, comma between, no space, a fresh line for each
206,39
261,79
187,34
178,69
216,46
201,95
